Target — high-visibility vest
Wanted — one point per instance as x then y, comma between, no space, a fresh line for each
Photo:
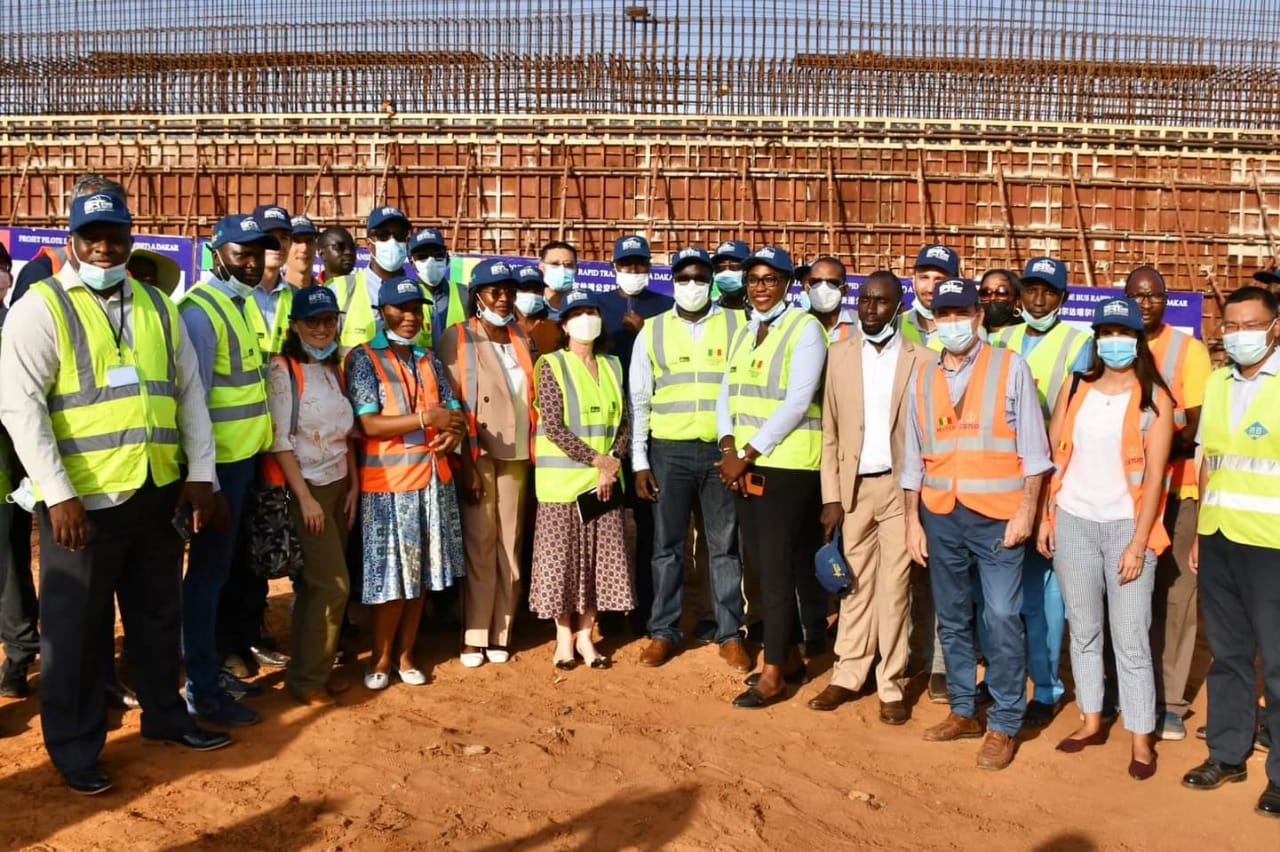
110,439
1133,443
970,456
469,337
457,311
270,340
758,377
687,376
592,410
1050,360
911,330
389,464
841,331
1242,492
238,395
268,468
57,257
358,318
1170,352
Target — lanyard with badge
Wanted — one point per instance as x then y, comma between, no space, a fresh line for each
122,375
417,437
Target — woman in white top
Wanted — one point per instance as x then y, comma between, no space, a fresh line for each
312,446
1111,432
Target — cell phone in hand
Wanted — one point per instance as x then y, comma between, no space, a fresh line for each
182,522
754,484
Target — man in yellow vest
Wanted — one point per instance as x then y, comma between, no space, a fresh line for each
1053,350
934,264
1237,553
215,314
972,478
1184,363
676,369
337,253
430,259
387,233
101,395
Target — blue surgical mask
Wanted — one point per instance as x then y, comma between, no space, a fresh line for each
431,270
395,338
558,278
530,303
320,354
495,319
1044,323
97,278
1246,348
921,310
885,333
956,336
390,255
1117,352
802,301
771,314
729,281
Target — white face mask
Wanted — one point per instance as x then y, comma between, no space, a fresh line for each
238,287
632,283
771,314
97,278
431,270
530,303
495,318
692,296
825,299
390,255
584,328
558,278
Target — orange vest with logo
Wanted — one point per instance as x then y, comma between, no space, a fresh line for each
389,465
469,336
970,456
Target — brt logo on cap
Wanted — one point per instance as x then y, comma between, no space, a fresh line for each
247,224
391,211
630,243
499,268
724,248
938,253
406,286
766,252
318,297
274,213
1115,309
1048,267
576,296
950,287
99,204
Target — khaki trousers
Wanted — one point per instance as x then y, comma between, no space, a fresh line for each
876,614
1174,615
491,534
320,593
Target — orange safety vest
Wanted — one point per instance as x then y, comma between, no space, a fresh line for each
469,336
844,331
388,464
1133,443
268,468
57,257
971,456
1170,354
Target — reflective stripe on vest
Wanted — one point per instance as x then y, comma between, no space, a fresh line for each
687,375
1242,488
389,464
1170,351
359,320
1049,360
110,439
972,456
592,411
270,340
758,385
469,337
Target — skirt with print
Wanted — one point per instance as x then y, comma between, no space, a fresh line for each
412,542
579,567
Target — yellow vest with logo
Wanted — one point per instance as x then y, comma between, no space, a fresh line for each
911,331
758,377
359,318
687,375
238,396
111,438
592,411
270,340
1050,359
1242,493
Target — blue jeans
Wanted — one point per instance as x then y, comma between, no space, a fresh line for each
686,471
955,541
1046,618
208,565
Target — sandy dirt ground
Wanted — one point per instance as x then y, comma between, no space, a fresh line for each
522,757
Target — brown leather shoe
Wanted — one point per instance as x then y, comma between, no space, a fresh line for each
954,728
657,652
831,698
893,712
735,654
997,751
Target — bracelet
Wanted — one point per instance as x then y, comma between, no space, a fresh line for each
727,450
422,423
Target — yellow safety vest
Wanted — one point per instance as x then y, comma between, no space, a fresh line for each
758,377
687,376
457,311
1242,494
238,396
270,340
359,318
1049,360
592,411
111,438
913,332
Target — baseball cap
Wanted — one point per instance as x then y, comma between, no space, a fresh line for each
312,301
732,249
775,258
1267,276
955,293
579,299
271,217
688,255
381,215
530,276
1118,311
99,207
629,247
399,290
938,256
490,272
241,229
1047,271
303,226
427,237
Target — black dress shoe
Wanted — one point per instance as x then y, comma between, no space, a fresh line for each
1269,801
268,657
1039,714
1211,775
121,697
196,740
13,680
795,677
88,782
751,699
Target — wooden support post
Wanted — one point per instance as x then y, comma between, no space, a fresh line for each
1264,213
1080,229
927,226
1192,272
195,195
1008,217
19,187
462,198
380,191
831,202
313,191
567,154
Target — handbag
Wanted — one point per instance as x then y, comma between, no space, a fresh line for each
274,548
830,568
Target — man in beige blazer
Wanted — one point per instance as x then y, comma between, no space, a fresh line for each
864,416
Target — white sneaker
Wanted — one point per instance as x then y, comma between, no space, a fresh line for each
412,677
472,659
497,655
377,680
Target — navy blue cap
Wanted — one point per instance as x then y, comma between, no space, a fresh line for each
955,293
1046,270
489,272
775,258
1118,311
1266,276
575,299
381,215
630,247
530,276
690,254
242,230
427,237
732,249
271,217
399,289
302,226
313,300
938,256
99,207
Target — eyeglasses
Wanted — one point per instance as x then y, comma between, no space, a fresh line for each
1153,298
1232,327
834,282
987,294
766,280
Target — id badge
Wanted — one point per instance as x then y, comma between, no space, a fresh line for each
416,438
123,376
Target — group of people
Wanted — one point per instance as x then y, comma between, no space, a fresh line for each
990,473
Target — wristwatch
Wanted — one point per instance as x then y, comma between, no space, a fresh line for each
742,453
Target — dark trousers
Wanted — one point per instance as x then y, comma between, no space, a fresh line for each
687,475
242,607
780,532
19,606
642,511
1240,603
133,554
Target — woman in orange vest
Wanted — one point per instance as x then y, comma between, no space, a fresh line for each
491,370
412,533
1111,432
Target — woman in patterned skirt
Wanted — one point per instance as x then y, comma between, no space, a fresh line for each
409,509
579,567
